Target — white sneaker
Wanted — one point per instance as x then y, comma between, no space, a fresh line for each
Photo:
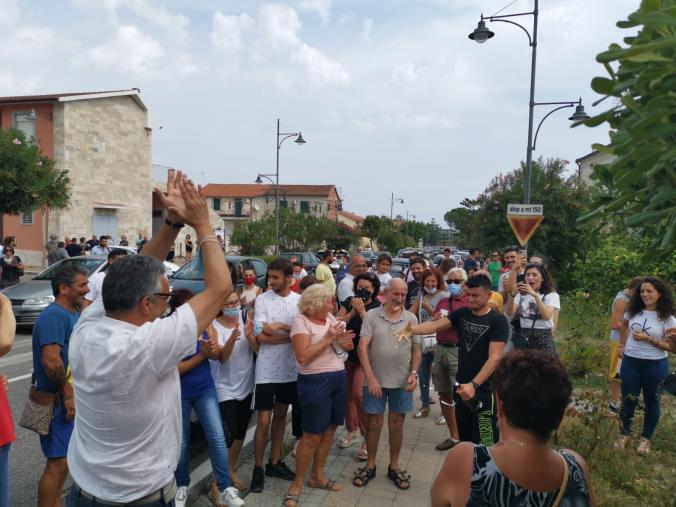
181,496
230,497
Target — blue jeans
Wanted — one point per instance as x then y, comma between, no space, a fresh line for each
641,375
4,475
209,415
424,374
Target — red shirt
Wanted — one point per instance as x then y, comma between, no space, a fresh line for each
7,434
450,305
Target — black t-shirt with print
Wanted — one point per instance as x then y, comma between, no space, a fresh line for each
355,325
474,336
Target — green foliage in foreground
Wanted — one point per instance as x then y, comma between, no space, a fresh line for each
640,183
618,478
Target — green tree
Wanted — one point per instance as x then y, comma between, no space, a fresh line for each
254,237
559,237
28,179
461,219
639,185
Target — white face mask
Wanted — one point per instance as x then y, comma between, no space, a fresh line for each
431,291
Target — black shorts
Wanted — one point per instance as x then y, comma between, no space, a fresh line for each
236,415
269,394
480,427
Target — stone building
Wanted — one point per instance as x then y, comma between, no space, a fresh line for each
103,140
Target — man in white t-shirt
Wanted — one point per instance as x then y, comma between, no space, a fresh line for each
276,370
96,280
125,446
346,286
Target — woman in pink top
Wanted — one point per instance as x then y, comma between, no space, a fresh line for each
319,342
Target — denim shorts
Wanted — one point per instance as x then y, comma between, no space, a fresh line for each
399,400
55,444
322,398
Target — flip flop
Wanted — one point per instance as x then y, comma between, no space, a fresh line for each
290,500
329,485
363,454
345,442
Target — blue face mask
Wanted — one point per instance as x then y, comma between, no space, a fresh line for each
455,289
232,312
431,291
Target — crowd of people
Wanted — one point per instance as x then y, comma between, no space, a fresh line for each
121,362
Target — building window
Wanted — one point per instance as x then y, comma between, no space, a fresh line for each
25,123
217,204
27,218
284,204
305,206
238,207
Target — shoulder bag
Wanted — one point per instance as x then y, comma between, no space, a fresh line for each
428,342
564,483
38,411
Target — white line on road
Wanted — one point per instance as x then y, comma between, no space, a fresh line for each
20,377
16,359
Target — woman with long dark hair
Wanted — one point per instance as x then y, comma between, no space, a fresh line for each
644,348
536,301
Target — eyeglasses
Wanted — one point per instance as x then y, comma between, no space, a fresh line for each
165,295
455,281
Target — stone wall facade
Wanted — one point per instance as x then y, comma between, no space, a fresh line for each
105,145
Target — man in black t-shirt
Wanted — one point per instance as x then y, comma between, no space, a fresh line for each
73,248
482,335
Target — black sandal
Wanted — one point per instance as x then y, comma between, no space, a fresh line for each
362,476
400,478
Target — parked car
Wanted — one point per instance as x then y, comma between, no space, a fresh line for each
457,260
308,260
191,277
169,267
29,298
399,267
370,257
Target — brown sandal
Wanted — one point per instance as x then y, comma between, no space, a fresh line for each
329,485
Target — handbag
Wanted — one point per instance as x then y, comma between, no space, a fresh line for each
428,342
669,384
38,411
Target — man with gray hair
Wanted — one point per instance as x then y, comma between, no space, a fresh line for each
345,287
126,442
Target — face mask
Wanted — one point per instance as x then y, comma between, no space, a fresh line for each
431,291
258,328
455,289
296,277
363,294
249,279
232,312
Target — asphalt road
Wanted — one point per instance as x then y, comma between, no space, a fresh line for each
25,458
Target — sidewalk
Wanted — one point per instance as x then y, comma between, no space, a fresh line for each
418,457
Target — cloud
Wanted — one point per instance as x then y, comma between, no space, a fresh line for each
27,42
130,50
321,69
279,25
321,7
226,31
10,84
366,30
10,13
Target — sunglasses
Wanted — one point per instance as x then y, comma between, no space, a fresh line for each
455,281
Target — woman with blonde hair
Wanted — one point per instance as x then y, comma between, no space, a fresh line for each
319,342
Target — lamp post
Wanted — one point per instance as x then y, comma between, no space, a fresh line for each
480,35
281,137
392,201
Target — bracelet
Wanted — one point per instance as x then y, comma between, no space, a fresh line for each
208,241
205,238
175,225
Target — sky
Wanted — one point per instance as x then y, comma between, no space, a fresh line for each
390,95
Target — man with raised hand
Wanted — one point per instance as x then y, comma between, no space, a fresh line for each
127,437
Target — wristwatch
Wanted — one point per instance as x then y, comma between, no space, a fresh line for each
175,225
474,385
413,372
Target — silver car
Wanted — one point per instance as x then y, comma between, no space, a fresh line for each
29,298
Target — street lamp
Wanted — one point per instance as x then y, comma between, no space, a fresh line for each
281,137
392,201
481,34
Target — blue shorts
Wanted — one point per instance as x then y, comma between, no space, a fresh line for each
55,444
322,398
399,400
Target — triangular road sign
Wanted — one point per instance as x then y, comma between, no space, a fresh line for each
524,226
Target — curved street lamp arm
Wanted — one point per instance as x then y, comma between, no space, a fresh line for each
530,40
279,143
535,140
267,177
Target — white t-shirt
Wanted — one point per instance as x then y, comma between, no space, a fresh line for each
620,296
384,280
127,436
95,286
649,322
528,310
234,379
503,278
276,363
346,287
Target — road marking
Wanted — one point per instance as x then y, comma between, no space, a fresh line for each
16,359
20,377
